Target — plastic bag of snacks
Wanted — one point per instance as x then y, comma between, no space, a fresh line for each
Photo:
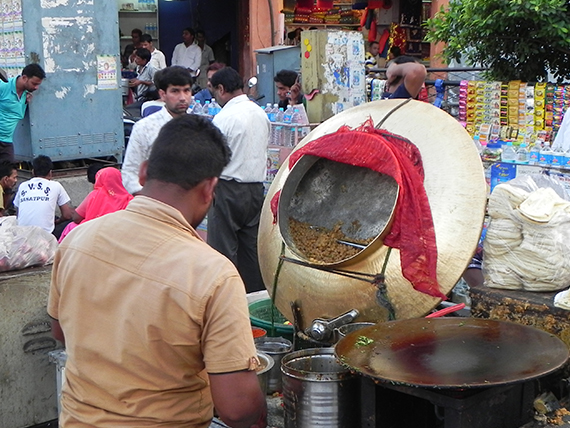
24,246
528,236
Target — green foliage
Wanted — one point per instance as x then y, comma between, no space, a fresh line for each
515,39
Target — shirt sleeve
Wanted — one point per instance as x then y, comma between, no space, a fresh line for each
227,339
63,198
196,59
82,208
134,157
211,55
175,58
17,198
161,61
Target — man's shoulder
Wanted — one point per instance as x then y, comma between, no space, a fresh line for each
156,119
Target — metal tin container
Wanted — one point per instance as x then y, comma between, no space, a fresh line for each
277,348
318,391
267,364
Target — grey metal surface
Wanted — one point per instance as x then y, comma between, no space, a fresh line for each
318,391
69,117
271,60
323,193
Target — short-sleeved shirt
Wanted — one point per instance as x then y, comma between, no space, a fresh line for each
37,199
187,56
12,109
145,74
145,319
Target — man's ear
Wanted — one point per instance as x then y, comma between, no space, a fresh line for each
209,189
143,173
162,95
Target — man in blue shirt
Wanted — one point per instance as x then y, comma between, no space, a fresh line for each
14,98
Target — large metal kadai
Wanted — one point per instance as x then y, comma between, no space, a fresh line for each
451,353
456,190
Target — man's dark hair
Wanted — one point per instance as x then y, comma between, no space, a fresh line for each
404,59
144,54
137,31
372,44
396,51
6,169
228,78
172,76
34,70
92,171
190,30
215,66
286,77
42,165
146,38
188,150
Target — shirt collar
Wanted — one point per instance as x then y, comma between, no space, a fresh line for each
237,100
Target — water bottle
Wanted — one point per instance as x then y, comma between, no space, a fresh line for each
534,153
523,155
268,110
287,116
277,129
197,108
558,158
545,158
211,109
296,131
206,108
508,154
477,144
215,107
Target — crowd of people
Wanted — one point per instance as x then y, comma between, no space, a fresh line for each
155,320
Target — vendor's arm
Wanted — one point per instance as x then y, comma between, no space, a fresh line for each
56,331
296,96
246,409
66,213
411,74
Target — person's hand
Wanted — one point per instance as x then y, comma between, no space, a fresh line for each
295,91
134,82
29,96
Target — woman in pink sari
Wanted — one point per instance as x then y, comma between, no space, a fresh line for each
108,195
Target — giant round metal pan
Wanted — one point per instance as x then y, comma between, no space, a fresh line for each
457,194
456,353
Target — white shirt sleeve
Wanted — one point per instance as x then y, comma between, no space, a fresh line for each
134,157
62,198
196,58
176,55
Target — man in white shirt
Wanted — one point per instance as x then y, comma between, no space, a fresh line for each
187,54
157,58
174,88
233,219
37,198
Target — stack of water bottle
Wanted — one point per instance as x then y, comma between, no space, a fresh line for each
540,153
209,109
286,125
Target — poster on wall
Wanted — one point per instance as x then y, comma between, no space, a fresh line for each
12,58
106,72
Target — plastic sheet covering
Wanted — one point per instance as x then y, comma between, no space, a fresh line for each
24,246
412,231
528,237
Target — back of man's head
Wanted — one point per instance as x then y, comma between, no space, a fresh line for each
188,150
42,166
34,70
405,59
92,171
144,54
146,38
286,77
215,66
175,76
6,169
228,78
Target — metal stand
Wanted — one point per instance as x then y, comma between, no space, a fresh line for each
393,406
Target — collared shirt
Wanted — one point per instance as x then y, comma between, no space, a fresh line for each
189,57
207,59
145,323
145,74
247,129
12,109
157,59
143,135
